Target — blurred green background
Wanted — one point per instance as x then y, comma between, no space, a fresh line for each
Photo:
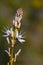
32,25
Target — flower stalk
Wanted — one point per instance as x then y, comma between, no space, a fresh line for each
12,35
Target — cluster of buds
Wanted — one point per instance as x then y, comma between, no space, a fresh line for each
12,35
18,17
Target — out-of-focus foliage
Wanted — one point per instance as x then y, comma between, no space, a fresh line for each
32,25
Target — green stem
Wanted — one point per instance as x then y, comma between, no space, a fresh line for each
12,49
12,56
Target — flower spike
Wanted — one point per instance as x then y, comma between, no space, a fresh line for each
14,35
19,37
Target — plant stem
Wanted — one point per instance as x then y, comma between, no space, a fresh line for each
12,50
12,47
11,63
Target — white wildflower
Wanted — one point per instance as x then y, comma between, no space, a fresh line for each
8,32
19,37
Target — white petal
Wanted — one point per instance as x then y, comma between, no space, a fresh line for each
8,40
11,31
20,36
18,52
21,40
8,32
5,35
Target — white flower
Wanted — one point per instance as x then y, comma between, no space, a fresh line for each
20,37
8,32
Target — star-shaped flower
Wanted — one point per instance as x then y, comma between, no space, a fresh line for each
8,32
20,37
